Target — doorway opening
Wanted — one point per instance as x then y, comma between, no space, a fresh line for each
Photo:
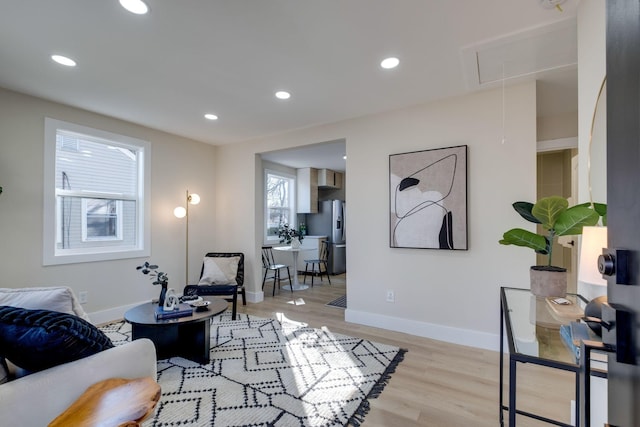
319,171
557,173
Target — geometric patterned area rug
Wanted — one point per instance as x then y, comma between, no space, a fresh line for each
338,302
266,372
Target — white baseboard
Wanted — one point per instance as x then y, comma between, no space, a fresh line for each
255,297
111,314
422,329
426,330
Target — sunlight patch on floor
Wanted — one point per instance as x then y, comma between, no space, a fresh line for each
284,319
298,301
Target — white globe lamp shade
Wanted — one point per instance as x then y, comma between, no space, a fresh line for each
180,212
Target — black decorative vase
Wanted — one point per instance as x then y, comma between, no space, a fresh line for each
163,294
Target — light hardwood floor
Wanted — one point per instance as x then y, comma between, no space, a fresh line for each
437,384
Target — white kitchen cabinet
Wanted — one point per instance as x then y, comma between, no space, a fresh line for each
307,190
328,178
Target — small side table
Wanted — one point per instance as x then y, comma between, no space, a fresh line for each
187,336
538,343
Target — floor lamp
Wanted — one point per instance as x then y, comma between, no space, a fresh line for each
181,212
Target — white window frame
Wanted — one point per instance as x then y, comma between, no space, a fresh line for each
51,254
292,200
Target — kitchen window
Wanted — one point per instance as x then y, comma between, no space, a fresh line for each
96,184
279,203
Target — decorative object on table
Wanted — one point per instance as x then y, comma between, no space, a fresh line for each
564,310
182,212
573,334
200,305
593,314
288,235
181,310
428,199
159,278
190,298
558,219
269,358
171,300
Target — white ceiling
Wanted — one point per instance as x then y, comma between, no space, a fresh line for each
189,57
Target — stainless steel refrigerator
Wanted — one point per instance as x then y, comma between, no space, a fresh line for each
329,221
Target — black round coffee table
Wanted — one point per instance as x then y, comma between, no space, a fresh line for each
186,337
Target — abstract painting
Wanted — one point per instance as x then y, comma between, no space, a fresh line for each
428,199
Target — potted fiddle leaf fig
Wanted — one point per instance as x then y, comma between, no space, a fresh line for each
557,219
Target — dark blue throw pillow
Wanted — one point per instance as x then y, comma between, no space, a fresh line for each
39,339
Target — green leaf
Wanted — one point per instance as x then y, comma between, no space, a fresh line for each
601,208
520,237
547,248
548,209
524,209
573,219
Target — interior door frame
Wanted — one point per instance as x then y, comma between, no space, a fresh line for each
623,200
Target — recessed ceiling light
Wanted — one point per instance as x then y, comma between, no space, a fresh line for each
390,63
63,60
344,157
211,117
135,6
281,94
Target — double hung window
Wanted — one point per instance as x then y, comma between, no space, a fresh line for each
279,203
95,188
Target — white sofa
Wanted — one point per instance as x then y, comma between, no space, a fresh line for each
36,399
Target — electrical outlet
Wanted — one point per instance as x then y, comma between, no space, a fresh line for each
391,296
83,297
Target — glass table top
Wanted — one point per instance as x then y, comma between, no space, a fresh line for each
533,323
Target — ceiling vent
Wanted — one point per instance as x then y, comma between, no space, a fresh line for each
520,56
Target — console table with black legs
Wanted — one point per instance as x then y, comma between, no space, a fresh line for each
532,327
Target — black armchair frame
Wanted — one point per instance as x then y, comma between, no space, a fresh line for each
230,292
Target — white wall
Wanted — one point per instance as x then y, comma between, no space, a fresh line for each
592,69
177,164
448,295
557,126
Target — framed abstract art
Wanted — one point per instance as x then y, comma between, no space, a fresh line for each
428,199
